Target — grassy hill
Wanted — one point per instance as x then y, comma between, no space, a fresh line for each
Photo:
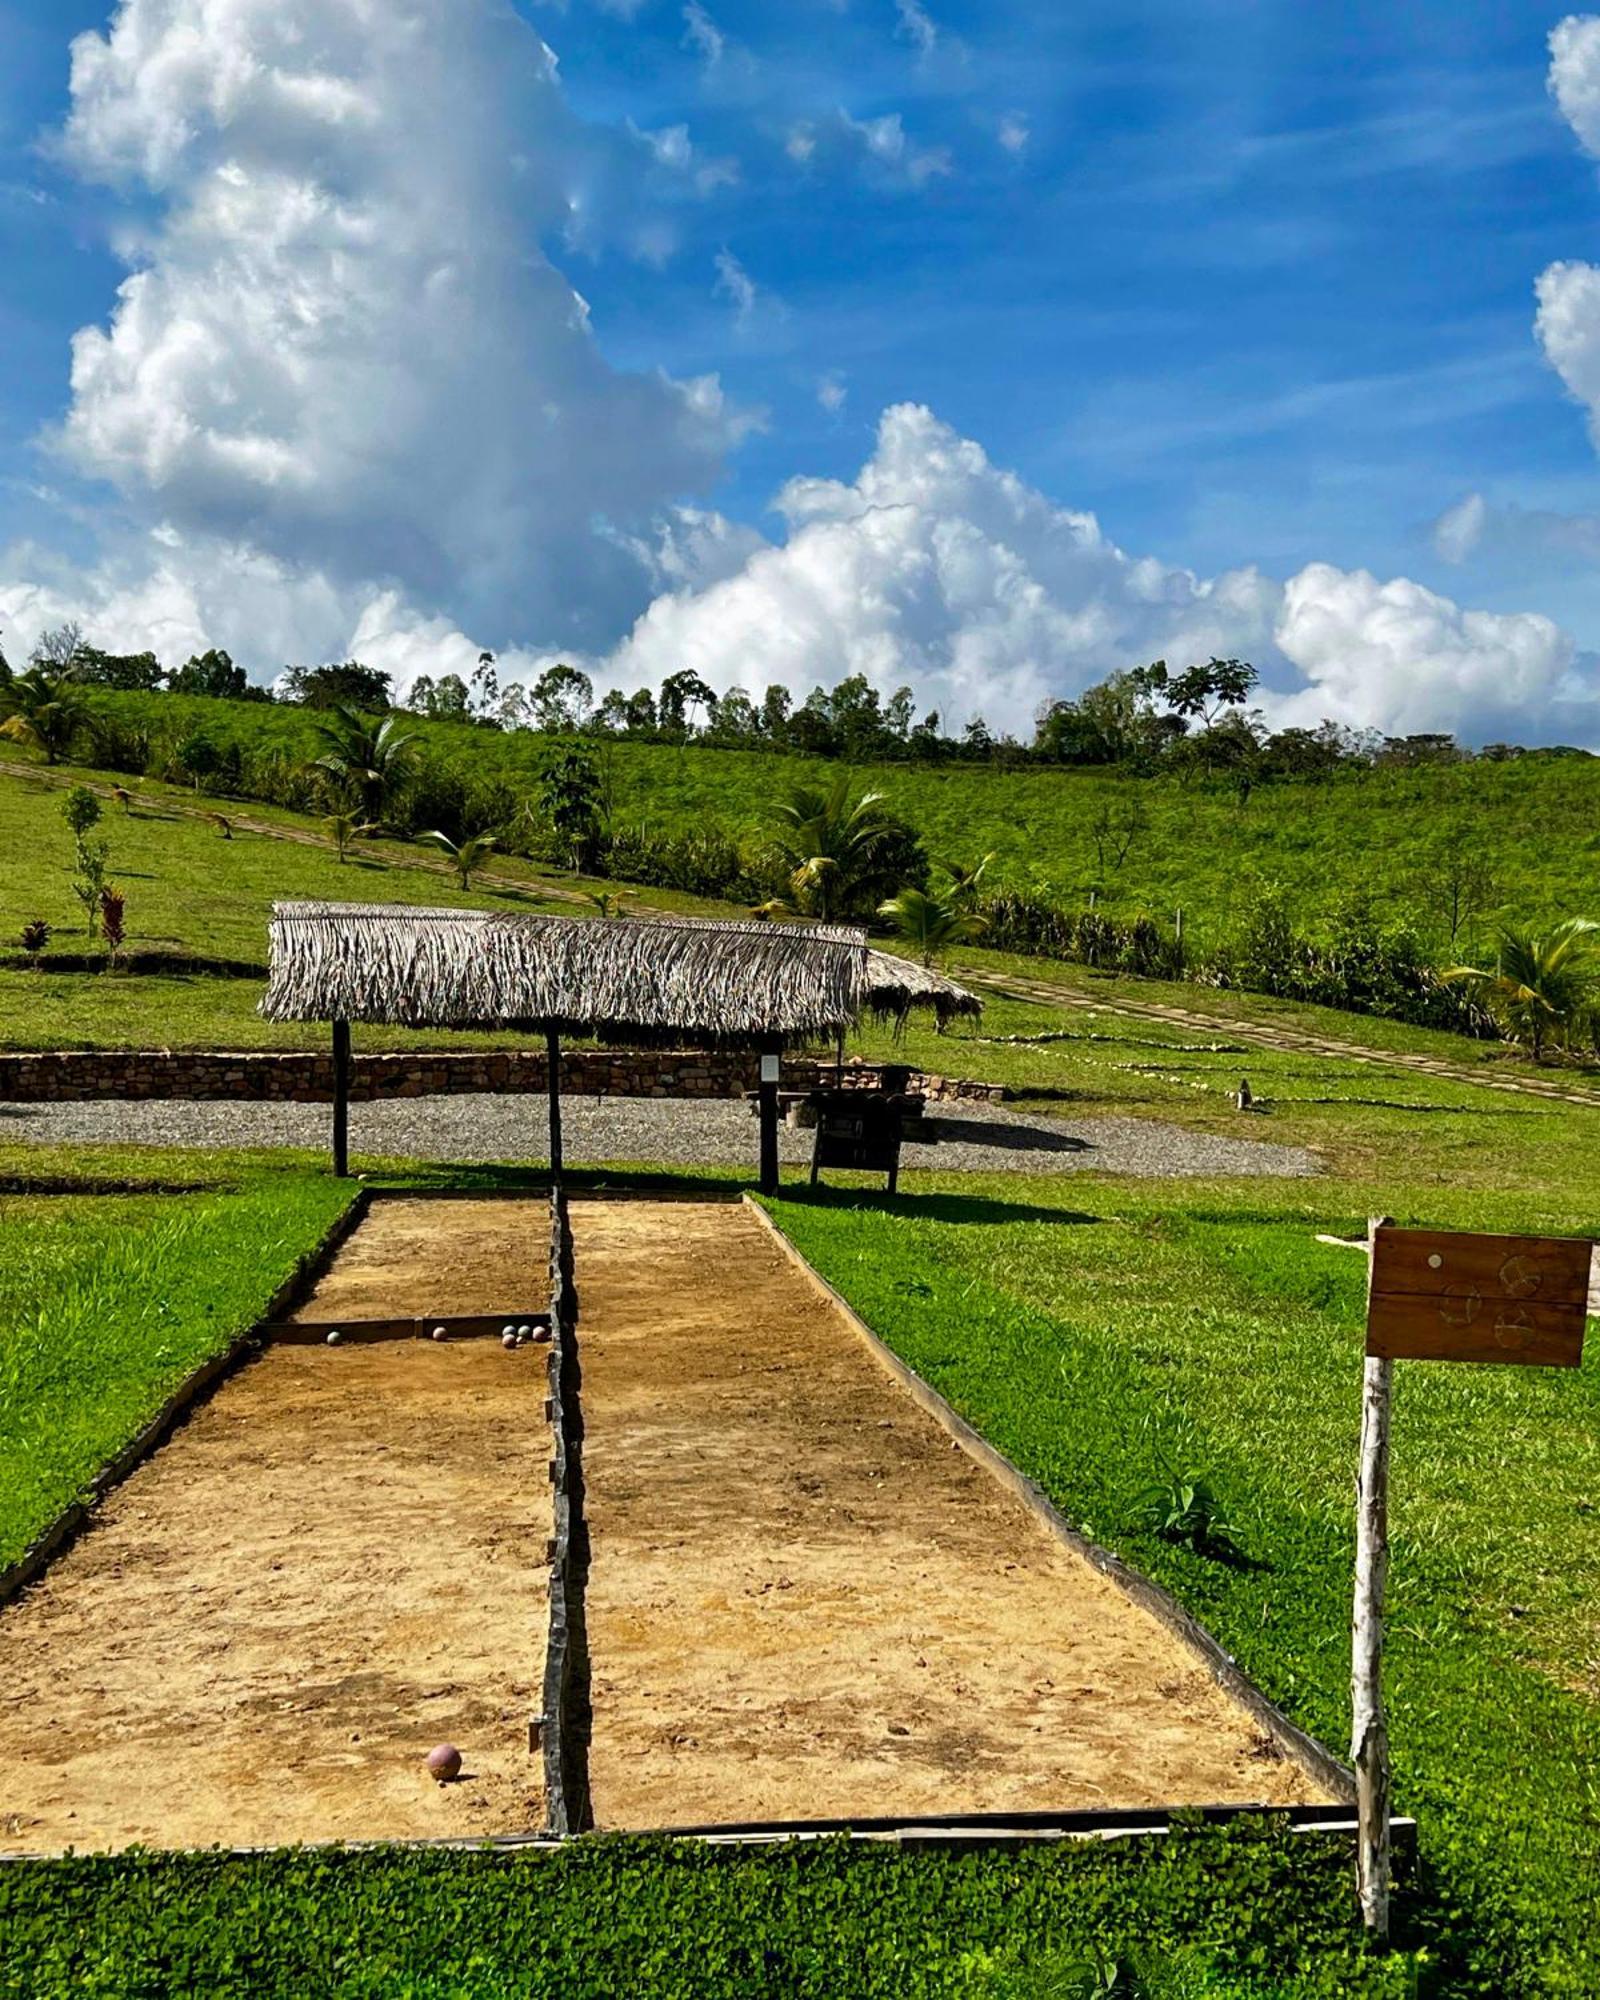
1534,821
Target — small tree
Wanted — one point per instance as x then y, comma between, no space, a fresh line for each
345,827
89,878
966,882
1538,985
198,758
840,853
113,913
466,855
367,756
1456,879
929,923
44,711
1116,826
569,799
81,811
35,936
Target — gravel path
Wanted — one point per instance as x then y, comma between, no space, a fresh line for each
676,1131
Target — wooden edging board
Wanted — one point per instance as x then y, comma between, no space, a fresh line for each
1306,1751
195,1388
962,1833
565,1720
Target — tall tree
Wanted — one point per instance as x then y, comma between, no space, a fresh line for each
346,684
683,695
561,699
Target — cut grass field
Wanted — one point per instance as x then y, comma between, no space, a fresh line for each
192,894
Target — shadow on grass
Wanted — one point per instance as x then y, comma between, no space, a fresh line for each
933,1207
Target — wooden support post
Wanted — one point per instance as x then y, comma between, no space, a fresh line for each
767,1111
341,1099
552,1044
1369,1732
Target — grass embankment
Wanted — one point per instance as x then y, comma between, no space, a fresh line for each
108,1299
1534,819
192,893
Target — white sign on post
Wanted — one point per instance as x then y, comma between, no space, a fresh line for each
769,1069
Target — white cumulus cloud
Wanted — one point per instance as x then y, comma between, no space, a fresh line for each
340,340
938,568
1568,293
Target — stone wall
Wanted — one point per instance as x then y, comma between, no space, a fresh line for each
306,1077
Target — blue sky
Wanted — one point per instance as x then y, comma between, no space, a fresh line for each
1253,283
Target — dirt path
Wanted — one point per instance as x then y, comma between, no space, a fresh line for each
1289,1040
336,1564
806,1601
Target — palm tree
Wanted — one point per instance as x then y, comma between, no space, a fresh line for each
931,924
345,827
467,855
45,712
835,850
965,882
367,753
1539,984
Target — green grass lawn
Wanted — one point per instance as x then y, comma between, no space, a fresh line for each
1101,1331
109,1297
192,893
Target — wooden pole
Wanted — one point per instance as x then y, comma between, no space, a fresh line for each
341,1099
767,1111
1369,1731
552,1081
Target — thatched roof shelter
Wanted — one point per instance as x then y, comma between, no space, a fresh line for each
896,986
652,979
649,981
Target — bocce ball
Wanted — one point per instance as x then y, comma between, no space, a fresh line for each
444,1763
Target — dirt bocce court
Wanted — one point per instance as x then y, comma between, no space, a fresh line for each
805,1601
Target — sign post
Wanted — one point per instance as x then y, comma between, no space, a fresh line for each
1435,1295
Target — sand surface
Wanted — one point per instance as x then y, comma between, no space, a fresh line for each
337,1563
805,1601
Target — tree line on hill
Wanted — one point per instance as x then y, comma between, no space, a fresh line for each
1194,722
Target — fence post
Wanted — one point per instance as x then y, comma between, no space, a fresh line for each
1369,1729
341,1099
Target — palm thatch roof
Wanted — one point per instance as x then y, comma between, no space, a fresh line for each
642,979
896,986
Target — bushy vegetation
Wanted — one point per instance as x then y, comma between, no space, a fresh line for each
1244,1913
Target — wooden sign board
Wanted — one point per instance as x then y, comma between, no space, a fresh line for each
1443,1295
